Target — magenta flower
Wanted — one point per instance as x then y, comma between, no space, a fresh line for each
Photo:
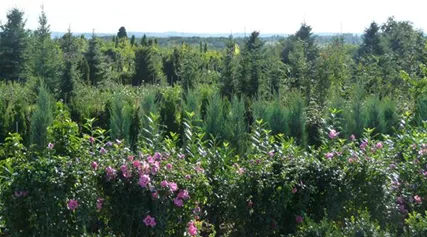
178,202
157,156
191,228
169,166
155,195
111,173
136,164
271,153
183,194
72,204
294,190
418,199
91,139
99,203
173,186
130,158
379,145
352,137
102,151
164,184
181,156
196,210
187,177
144,180
155,168
150,221
150,160
364,145
329,155
125,171
109,144
333,134
299,219
94,165
50,146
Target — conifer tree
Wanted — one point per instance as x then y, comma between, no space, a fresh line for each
41,118
98,70
122,33
13,47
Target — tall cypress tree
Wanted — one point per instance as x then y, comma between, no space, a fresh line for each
13,46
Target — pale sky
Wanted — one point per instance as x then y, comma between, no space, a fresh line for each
217,16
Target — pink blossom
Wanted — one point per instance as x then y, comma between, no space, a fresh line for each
155,195
91,139
183,194
418,199
350,160
250,204
94,165
50,146
379,145
196,210
191,228
144,180
241,171
72,204
352,137
102,151
109,144
130,158
181,156
363,145
125,171
172,186
271,153
99,203
399,200
333,134
157,156
150,221
299,219
150,160
178,202
136,164
187,176
329,155
111,173
155,168
169,166
294,190
118,142
164,184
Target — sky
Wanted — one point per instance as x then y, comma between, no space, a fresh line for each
217,16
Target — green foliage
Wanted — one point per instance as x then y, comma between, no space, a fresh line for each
98,69
417,225
41,118
121,113
215,117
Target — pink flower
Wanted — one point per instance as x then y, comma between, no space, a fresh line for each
72,204
196,210
183,194
294,190
102,151
155,168
191,228
136,164
250,204
149,221
364,145
130,158
299,219
118,142
18,194
99,203
125,171
155,195
50,146
181,156
329,155
173,186
164,184
418,199
109,144
111,173
157,156
144,180
333,134
169,166
350,160
91,139
178,202
94,165
187,176
352,137
150,160
379,145
271,153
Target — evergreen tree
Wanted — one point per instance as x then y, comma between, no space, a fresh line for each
41,118
98,70
13,47
71,59
122,33
46,62
132,40
147,66
371,41
205,48
229,76
144,41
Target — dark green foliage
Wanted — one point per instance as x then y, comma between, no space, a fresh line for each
41,118
371,41
215,118
98,71
132,40
276,117
169,108
147,66
13,47
236,126
373,115
122,33
121,117
229,76
296,118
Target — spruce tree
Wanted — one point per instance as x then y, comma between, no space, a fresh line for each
229,76
371,41
13,47
41,118
98,70
132,40
144,40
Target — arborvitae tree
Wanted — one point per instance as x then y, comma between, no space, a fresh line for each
144,41
215,120
236,127
46,60
371,41
122,33
98,70
13,47
132,40
252,64
121,115
41,118
229,75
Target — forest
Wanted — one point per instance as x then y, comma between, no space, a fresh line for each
302,135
